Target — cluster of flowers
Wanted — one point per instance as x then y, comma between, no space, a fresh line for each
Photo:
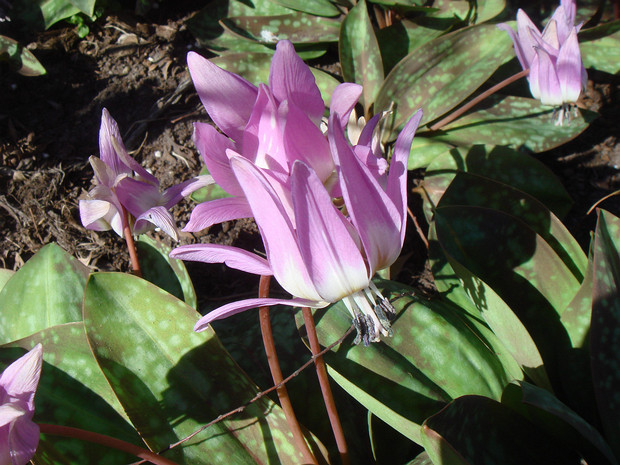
330,213
557,75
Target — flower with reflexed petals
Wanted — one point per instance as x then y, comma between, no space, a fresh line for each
122,184
557,75
315,251
19,435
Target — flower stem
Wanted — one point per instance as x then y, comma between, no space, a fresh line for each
104,440
276,374
326,390
131,246
452,116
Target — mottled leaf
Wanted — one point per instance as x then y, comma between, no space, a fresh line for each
424,151
437,353
558,420
602,54
488,9
503,165
45,292
313,7
296,27
168,273
171,380
515,121
478,430
360,57
605,330
441,73
518,264
21,59
73,392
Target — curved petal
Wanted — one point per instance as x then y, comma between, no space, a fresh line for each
233,257
262,138
23,440
213,146
206,214
397,176
10,412
276,229
373,213
96,214
516,42
548,82
21,378
304,141
344,98
334,261
243,305
227,97
178,192
137,196
291,79
158,216
569,68
527,32
104,174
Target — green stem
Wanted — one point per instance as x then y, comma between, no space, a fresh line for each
276,374
326,390
104,440
452,116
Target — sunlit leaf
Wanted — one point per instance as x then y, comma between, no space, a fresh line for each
313,7
171,380
45,292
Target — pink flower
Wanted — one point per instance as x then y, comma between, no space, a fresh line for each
557,75
271,125
19,435
123,184
315,252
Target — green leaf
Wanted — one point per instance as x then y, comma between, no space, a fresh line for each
45,292
296,27
602,54
605,330
488,9
514,121
313,7
255,68
424,151
544,409
56,10
168,273
437,353
518,264
359,53
171,380
73,392
21,59
441,73
5,275
502,165
478,430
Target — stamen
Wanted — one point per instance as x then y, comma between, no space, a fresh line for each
371,314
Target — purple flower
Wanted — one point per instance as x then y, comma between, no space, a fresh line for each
19,435
271,125
122,184
557,75
316,252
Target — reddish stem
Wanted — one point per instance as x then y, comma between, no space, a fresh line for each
131,246
452,116
276,374
326,390
104,440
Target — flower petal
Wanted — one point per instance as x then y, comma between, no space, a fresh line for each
227,97
175,194
397,176
516,42
206,214
569,67
334,261
277,230
158,216
291,79
344,98
232,257
213,146
21,378
373,213
243,305
137,196
527,33
548,82
23,440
